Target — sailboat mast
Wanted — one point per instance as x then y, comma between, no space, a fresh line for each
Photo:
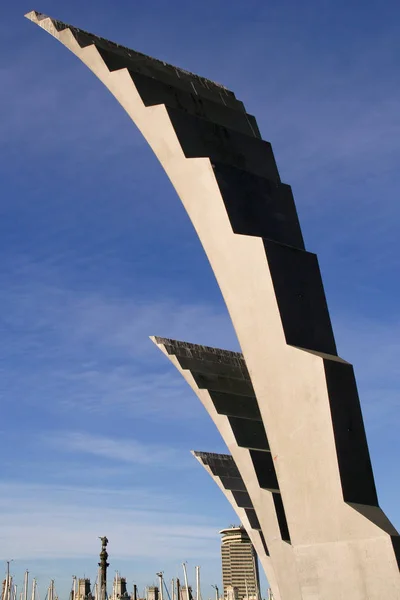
186,581
7,578
26,585
160,585
173,589
8,582
198,594
33,596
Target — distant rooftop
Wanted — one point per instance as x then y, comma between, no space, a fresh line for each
233,529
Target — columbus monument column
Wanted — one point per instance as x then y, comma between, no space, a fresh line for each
103,564
289,405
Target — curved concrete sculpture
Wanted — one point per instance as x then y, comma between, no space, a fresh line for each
223,470
225,174
222,383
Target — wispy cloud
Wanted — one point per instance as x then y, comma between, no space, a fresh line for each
102,361
33,105
43,516
91,351
119,449
37,299
373,346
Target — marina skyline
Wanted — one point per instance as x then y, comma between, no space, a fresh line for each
119,587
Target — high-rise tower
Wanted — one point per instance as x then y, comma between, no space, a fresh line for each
239,565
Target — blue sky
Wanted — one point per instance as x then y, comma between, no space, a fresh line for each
97,254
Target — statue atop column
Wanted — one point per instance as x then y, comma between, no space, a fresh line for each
103,564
